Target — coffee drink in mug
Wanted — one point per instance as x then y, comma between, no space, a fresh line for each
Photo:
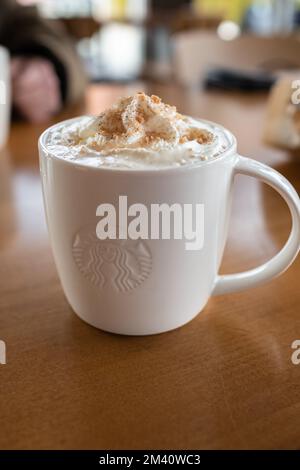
137,203
4,95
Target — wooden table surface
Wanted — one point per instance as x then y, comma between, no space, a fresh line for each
225,380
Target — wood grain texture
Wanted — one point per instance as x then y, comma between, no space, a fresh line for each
225,380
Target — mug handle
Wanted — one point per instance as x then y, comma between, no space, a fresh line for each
282,260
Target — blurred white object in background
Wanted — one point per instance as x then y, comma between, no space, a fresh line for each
135,10
121,50
102,9
4,95
64,9
271,17
283,12
228,30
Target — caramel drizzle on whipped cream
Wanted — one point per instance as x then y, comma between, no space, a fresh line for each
139,122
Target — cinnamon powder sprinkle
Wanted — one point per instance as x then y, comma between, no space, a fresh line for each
148,121
155,99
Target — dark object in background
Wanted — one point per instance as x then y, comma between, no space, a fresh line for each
169,4
229,79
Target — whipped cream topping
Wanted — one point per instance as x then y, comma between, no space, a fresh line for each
137,131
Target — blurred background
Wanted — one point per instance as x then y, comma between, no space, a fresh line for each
58,47
122,40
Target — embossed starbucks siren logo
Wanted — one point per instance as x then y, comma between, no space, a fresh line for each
123,264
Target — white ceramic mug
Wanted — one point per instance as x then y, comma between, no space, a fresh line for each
150,286
4,95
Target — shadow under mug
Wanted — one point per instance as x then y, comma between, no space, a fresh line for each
140,287
4,95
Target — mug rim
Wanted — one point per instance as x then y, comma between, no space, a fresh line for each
183,168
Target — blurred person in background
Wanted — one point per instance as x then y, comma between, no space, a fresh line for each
45,70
